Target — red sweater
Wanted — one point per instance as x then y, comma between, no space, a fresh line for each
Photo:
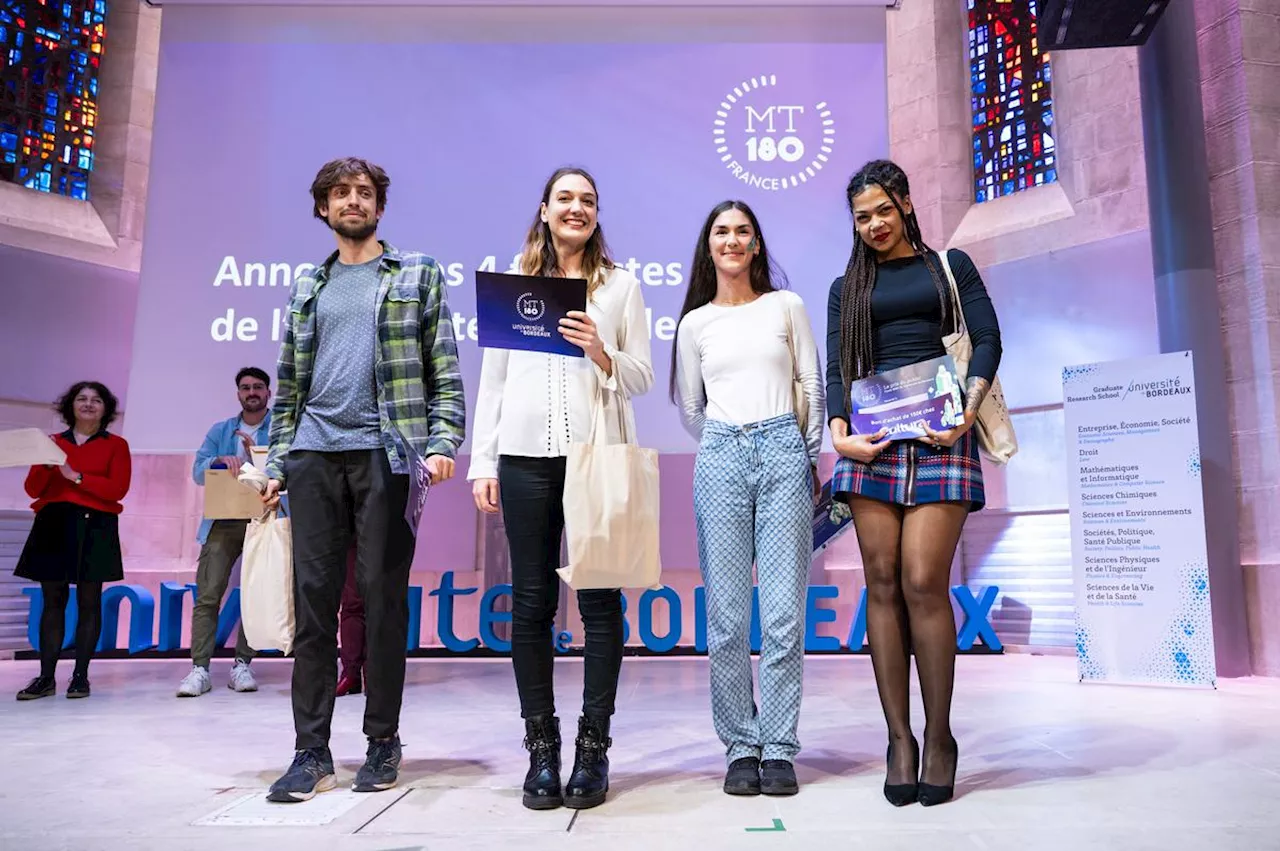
104,462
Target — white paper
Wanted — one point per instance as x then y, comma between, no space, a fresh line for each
27,447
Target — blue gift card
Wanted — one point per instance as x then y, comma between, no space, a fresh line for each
523,312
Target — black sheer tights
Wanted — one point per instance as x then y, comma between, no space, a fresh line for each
53,623
906,558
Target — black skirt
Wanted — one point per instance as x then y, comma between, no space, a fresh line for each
71,543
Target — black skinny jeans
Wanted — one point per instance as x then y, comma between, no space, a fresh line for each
531,491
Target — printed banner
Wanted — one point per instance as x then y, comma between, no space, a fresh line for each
904,400
523,312
1137,522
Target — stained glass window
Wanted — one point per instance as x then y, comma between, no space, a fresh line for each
50,52
1012,99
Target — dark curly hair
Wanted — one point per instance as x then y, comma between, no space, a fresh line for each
66,404
335,171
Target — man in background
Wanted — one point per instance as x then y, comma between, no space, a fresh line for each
226,447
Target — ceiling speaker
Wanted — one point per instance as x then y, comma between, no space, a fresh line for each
1081,24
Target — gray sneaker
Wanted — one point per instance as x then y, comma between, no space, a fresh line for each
195,683
242,678
310,774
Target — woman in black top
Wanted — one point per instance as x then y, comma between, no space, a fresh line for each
909,498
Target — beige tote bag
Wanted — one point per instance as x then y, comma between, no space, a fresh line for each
266,576
995,432
611,505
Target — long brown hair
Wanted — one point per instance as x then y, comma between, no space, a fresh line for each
764,275
857,340
539,254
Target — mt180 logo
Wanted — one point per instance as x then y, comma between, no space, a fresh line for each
770,137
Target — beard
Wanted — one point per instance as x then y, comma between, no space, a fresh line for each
356,231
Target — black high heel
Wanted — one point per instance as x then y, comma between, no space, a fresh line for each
901,794
931,795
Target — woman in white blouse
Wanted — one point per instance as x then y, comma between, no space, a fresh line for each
530,408
753,487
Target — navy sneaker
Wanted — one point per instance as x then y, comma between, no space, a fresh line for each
310,774
381,766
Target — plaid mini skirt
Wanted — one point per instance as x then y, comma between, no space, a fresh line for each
913,473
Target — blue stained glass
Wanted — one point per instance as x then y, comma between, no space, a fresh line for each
1006,67
50,87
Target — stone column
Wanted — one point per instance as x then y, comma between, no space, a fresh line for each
1182,248
1239,42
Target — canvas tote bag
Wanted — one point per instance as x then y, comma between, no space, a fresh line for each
266,576
995,432
611,505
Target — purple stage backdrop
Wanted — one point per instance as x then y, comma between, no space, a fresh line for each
468,133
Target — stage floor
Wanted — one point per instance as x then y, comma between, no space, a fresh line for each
1046,763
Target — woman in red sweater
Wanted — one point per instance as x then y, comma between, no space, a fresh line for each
75,537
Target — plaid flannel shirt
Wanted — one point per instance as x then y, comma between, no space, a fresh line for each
419,384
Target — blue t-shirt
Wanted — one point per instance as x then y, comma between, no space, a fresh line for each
341,409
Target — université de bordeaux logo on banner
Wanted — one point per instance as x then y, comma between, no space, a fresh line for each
772,135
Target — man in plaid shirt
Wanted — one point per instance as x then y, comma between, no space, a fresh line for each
368,364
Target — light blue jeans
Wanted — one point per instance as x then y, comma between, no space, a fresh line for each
752,496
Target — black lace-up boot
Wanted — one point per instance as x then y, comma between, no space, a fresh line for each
542,783
589,782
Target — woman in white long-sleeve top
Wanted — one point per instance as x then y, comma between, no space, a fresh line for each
753,487
530,408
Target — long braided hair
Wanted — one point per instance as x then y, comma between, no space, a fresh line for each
857,339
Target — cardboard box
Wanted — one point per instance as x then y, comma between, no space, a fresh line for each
226,499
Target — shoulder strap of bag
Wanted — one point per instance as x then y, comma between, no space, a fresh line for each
791,345
957,309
